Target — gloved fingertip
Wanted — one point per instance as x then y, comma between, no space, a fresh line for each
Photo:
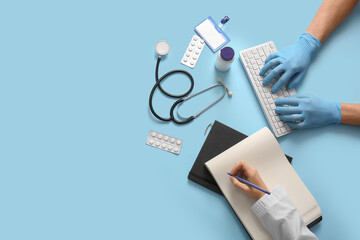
291,85
291,124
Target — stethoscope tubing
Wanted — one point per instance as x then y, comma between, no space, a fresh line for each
157,85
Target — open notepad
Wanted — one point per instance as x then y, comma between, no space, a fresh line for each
261,151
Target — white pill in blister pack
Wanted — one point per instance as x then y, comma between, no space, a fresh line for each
164,142
193,51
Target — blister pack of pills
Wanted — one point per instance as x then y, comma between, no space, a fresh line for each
164,142
193,51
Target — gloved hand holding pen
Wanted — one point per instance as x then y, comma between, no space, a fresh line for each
292,63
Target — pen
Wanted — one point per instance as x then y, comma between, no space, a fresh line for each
249,183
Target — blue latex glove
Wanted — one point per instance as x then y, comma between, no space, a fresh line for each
307,111
292,62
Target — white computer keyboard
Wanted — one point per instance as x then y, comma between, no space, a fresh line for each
253,60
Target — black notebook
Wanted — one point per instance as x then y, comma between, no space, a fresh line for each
219,139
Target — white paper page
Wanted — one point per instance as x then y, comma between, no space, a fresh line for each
262,151
212,36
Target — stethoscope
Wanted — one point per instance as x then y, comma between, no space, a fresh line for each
162,48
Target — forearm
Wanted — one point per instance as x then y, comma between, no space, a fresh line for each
350,113
330,14
280,217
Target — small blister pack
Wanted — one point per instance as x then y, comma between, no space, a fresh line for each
164,142
193,51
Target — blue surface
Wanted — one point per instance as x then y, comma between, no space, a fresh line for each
75,79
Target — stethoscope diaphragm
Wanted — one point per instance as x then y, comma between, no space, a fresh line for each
162,48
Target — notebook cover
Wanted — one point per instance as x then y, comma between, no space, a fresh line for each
219,139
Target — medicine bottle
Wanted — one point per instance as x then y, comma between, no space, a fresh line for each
224,59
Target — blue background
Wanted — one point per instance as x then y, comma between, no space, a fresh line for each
75,79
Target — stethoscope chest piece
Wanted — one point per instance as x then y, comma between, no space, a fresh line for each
162,48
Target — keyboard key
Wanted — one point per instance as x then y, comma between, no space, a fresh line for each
283,130
292,92
281,124
261,52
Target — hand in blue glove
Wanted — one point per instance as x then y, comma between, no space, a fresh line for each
292,62
307,111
